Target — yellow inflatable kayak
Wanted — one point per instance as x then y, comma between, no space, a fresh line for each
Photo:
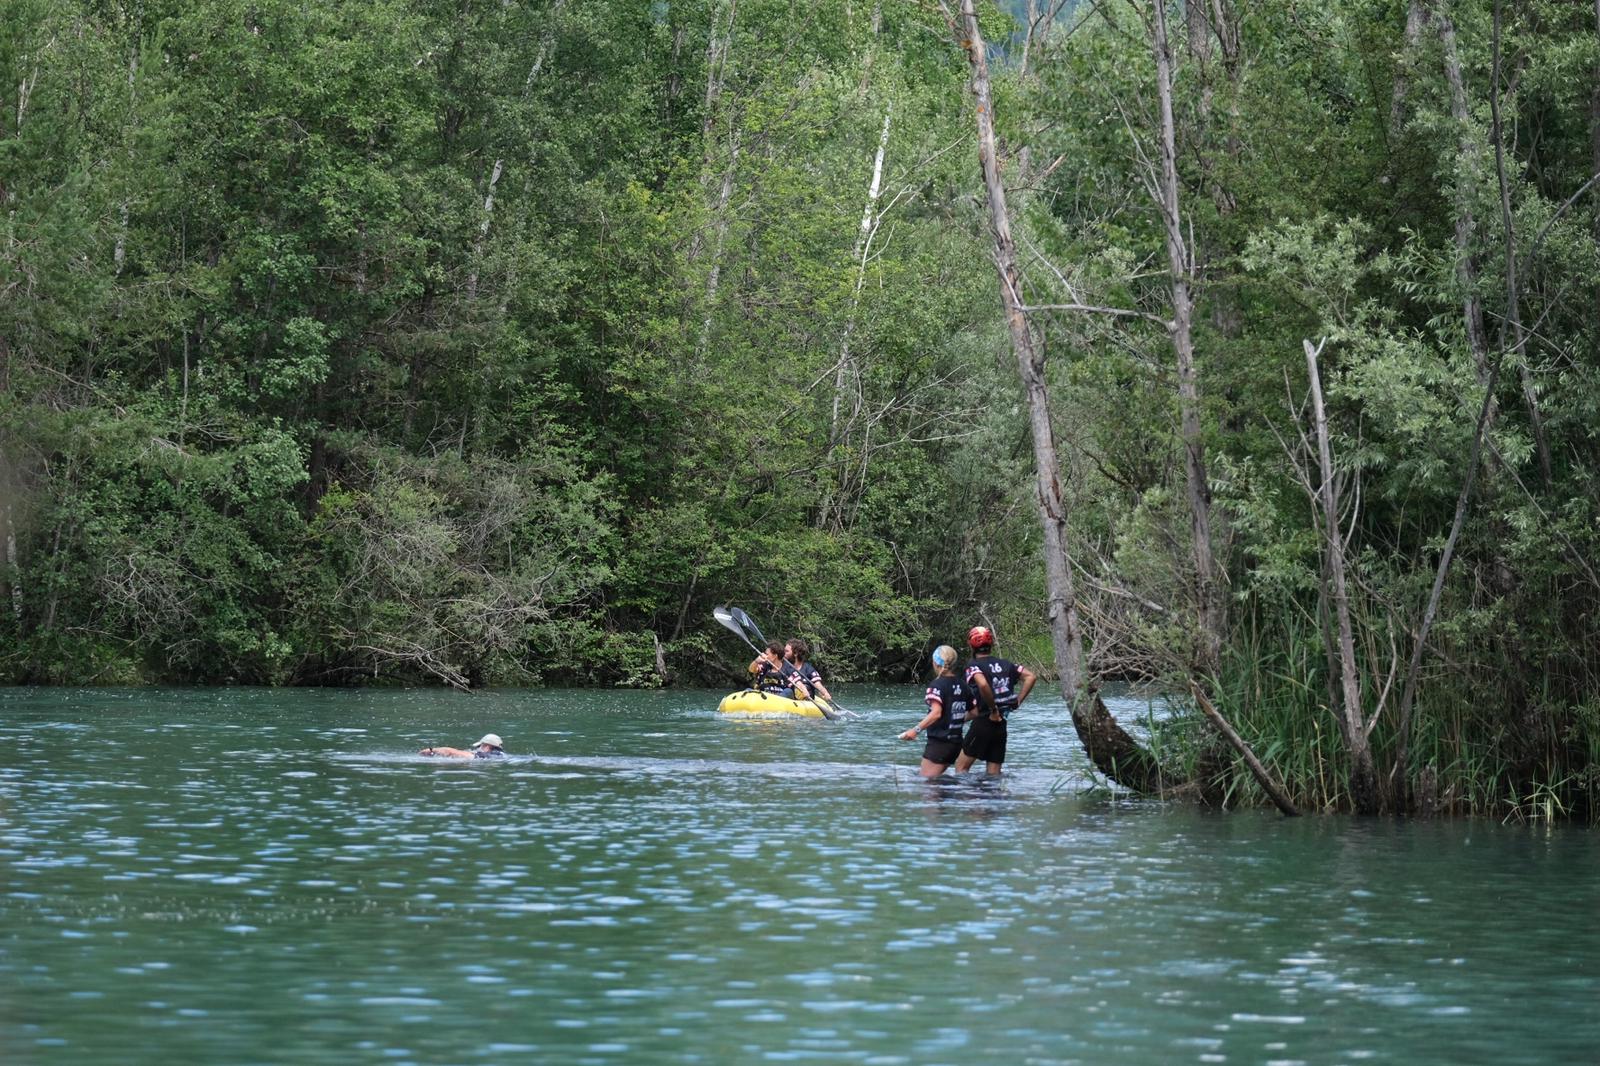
750,701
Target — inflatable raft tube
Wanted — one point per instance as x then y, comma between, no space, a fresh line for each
750,701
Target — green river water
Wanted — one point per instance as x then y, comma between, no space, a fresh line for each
250,876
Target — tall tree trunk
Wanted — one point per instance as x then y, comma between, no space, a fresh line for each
1486,411
1594,124
847,380
1519,338
1469,174
1112,751
720,228
497,169
1418,15
1363,777
1207,601
119,251
718,47
13,571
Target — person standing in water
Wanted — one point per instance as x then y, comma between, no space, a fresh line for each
948,700
999,687
798,653
490,747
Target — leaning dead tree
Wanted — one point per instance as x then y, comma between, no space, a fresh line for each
1325,489
1110,748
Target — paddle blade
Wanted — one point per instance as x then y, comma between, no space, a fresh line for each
725,616
751,630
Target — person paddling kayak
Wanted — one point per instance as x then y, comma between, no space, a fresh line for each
490,747
773,674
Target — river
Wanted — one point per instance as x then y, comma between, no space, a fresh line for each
251,876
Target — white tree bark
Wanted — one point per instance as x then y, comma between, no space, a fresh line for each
845,375
719,46
1363,777
546,42
1207,601
720,229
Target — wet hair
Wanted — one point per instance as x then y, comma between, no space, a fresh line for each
802,650
775,648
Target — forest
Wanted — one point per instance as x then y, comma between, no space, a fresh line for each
1242,349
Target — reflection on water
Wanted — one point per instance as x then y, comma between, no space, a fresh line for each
250,876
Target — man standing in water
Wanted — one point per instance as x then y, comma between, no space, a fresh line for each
999,687
948,699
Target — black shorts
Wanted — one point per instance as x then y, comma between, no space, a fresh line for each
942,752
986,741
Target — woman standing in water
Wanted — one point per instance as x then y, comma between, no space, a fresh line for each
948,699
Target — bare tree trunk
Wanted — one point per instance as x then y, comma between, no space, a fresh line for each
1207,601
498,167
1470,171
718,47
1418,15
846,378
720,226
13,571
1264,777
119,251
1112,751
24,94
872,50
1594,123
1363,777
674,79
1594,119
1519,339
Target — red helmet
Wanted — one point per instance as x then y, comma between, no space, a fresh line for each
980,637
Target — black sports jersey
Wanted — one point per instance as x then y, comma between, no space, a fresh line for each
954,698
1004,681
776,678
809,675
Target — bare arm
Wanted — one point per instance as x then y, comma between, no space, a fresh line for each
985,693
448,753
935,709
1029,679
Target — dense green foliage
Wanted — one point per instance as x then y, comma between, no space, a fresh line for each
495,342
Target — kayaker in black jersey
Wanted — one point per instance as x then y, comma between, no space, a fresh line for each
798,653
490,747
999,687
774,675
948,700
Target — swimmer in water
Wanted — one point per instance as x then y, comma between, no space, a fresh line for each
490,747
